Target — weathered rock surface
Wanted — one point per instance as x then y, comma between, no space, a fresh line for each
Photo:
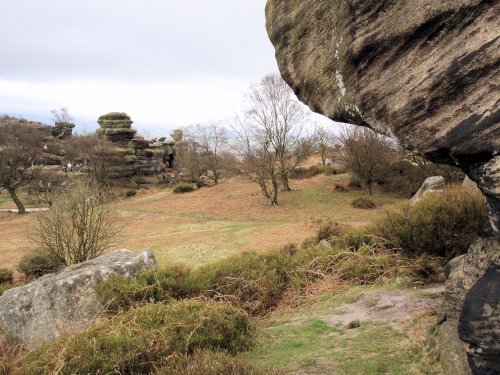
472,297
423,72
452,351
64,302
464,271
433,184
479,323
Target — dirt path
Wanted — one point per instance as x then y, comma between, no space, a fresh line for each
15,210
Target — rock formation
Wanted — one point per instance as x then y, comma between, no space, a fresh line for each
64,302
474,306
129,154
116,132
433,184
62,129
425,73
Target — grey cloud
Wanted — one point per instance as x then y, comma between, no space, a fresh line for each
133,40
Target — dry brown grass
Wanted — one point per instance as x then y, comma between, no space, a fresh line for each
210,224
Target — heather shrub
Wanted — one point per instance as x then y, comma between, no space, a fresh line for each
130,193
122,293
290,249
39,263
442,225
252,281
302,173
328,231
6,276
363,203
142,339
354,183
183,188
340,188
309,242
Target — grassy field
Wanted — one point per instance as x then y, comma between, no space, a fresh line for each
210,224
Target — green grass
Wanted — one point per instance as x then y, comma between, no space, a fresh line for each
303,339
294,345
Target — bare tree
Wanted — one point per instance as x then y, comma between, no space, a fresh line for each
212,139
78,227
80,147
365,153
259,160
62,115
21,150
276,112
188,158
325,141
47,188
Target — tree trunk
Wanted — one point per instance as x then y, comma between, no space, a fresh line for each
323,157
369,184
20,207
284,181
273,199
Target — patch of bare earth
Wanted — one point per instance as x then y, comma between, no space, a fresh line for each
395,308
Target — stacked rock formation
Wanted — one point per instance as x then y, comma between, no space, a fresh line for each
153,156
426,74
116,129
130,154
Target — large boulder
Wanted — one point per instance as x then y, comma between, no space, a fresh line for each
433,184
479,323
423,72
471,303
64,302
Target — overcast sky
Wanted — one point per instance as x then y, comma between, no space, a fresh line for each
167,63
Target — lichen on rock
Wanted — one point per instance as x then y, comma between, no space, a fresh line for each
64,302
